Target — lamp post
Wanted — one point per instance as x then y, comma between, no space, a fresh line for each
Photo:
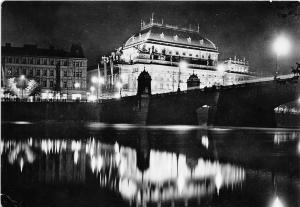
182,65
281,47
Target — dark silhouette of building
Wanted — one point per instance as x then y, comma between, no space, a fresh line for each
193,82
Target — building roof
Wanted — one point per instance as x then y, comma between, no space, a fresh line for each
170,34
33,50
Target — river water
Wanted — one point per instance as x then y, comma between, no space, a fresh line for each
94,164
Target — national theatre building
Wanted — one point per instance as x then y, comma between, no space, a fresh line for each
171,55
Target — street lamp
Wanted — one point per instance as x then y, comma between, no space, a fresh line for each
182,65
281,47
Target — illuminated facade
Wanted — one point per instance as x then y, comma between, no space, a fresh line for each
170,54
58,74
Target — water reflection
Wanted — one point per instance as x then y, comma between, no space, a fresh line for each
159,167
168,176
282,137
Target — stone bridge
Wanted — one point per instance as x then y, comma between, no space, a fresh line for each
250,103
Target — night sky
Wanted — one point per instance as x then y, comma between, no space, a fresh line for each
245,29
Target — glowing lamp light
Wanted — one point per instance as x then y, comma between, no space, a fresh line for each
221,68
92,88
22,77
277,203
183,64
119,85
77,85
94,79
281,45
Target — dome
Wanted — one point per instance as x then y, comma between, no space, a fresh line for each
171,35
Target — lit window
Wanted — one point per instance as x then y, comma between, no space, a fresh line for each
176,38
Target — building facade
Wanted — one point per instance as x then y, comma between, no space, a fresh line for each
58,74
170,54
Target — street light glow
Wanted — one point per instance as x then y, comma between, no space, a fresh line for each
22,77
221,68
77,85
119,85
92,88
94,79
282,45
183,64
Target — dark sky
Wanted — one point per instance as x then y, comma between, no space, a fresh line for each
245,29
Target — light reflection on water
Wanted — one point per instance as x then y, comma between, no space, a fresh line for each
167,177
159,165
